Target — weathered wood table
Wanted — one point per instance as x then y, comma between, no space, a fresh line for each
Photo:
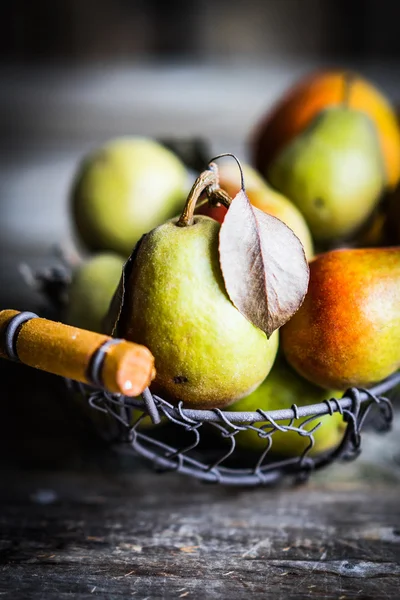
111,536
78,521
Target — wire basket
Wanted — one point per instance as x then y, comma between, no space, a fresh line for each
203,443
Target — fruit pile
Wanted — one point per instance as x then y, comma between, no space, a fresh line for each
279,283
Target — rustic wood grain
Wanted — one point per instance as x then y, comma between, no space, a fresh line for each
108,536
96,524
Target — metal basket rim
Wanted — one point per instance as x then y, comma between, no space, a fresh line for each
328,406
354,406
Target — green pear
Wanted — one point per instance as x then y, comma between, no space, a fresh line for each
281,389
207,353
92,288
333,172
125,188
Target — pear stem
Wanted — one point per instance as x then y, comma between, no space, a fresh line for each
203,181
215,194
219,196
237,162
207,181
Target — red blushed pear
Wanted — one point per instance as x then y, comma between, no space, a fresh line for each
347,332
315,92
215,212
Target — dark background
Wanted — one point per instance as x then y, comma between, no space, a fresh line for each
79,31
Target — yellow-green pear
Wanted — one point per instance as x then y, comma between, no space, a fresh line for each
92,288
207,353
332,171
124,189
281,389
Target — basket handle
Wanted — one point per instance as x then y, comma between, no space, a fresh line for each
115,365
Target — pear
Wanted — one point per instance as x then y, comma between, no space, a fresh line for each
263,197
125,188
333,172
230,178
347,331
280,390
207,353
92,288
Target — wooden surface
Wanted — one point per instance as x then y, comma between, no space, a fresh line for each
112,536
78,521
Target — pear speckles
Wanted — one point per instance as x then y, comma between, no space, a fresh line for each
319,203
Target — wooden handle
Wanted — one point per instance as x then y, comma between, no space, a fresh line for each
124,367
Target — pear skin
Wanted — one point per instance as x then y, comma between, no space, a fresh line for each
92,288
281,389
124,189
333,172
230,179
207,353
315,92
347,331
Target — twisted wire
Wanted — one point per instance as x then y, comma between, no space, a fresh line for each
188,456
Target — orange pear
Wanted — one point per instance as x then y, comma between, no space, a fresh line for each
347,332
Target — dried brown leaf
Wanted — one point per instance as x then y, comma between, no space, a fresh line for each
263,265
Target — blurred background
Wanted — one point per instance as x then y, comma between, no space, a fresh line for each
74,74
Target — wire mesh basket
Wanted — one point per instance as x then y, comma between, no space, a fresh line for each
203,443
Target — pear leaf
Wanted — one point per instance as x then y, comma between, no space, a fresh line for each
263,265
